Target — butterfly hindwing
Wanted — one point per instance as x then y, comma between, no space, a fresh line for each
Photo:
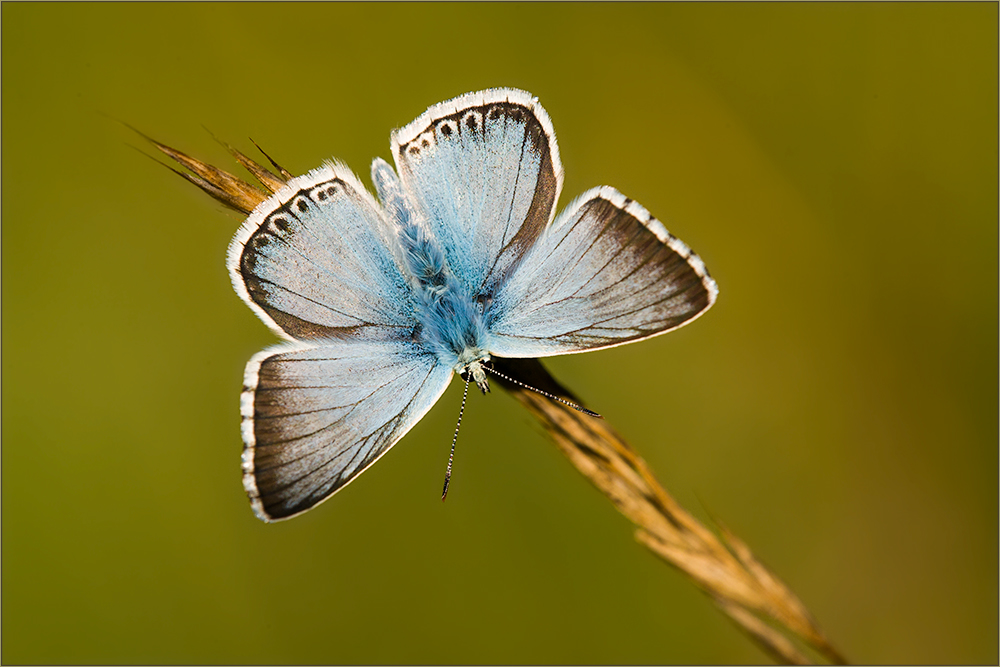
314,261
316,417
484,170
605,273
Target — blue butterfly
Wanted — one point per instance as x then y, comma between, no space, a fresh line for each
460,260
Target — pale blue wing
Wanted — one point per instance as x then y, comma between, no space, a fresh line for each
605,273
316,417
484,171
314,261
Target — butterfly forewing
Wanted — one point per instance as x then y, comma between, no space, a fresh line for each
314,418
484,170
604,274
315,261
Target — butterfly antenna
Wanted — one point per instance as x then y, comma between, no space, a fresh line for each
543,393
451,457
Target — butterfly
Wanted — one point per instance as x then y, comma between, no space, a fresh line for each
459,260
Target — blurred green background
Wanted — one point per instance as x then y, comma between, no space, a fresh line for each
835,166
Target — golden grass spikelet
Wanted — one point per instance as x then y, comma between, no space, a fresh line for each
222,186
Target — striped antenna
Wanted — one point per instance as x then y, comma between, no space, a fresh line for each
451,457
543,393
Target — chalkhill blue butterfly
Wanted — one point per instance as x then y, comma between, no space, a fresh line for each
460,259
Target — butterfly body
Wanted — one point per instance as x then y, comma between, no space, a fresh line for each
459,260
450,321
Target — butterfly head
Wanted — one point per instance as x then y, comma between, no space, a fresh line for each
478,374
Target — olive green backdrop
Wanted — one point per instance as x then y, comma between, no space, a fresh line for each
834,165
